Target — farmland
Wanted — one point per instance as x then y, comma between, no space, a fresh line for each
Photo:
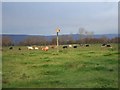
82,67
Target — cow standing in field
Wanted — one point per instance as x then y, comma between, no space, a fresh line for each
70,46
36,48
87,45
30,48
11,48
103,45
64,47
74,46
108,45
19,48
45,48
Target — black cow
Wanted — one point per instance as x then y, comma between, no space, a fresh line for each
19,48
64,46
104,44
11,48
74,46
87,45
108,45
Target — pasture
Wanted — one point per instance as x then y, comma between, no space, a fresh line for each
82,67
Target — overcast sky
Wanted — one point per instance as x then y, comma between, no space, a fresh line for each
42,18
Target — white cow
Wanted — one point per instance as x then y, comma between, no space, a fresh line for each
36,48
70,46
30,47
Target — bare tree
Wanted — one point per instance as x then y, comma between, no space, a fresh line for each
85,36
66,39
6,41
104,39
34,40
115,40
53,41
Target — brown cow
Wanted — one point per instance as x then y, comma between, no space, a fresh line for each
45,48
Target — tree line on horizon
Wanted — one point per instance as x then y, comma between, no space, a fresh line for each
85,37
63,40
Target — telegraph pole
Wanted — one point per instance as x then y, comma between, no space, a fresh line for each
57,30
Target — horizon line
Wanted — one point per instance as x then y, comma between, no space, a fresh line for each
52,34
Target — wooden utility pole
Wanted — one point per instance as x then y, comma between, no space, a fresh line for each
57,30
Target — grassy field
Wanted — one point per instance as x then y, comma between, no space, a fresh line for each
84,67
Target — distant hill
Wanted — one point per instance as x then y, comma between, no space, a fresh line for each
18,38
110,36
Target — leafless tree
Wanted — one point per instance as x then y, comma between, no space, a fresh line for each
53,41
34,40
66,39
6,41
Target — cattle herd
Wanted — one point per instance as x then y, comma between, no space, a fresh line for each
106,45
46,48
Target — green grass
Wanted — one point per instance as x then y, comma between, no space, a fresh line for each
92,67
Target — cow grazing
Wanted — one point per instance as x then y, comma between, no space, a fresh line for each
19,48
36,48
87,45
74,46
103,45
45,48
64,47
11,48
70,46
108,45
30,48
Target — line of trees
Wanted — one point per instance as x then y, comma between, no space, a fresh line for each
7,41
63,39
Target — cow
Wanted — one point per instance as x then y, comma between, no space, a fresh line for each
74,46
108,45
70,46
19,48
65,47
30,48
36,48
103,45
45,48
87,45
11,48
